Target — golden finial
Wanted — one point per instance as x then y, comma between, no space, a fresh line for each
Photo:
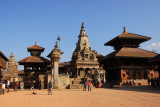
35,43
56,46
125,30
82,25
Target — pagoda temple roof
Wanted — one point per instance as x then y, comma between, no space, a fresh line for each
131,53
127,35
34,59
35,47
155,59
3,56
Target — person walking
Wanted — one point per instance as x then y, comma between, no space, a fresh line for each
50,88
40,86
22,85
85,85
15,86
32,85
89,85
3,88
8,85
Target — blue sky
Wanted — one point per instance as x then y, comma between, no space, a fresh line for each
22,22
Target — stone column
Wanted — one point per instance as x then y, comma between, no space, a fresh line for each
55,56
55,75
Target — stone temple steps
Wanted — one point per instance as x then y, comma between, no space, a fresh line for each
76,86
77,83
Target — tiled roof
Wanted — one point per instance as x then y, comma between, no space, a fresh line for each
21,72
155,59
128,35
131,52
131,35
3,56
64,64
99,55
34,59
35,47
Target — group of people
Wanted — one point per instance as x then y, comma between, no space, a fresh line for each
3,86
16,84
87,83
7,86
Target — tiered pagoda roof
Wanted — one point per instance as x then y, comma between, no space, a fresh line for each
155,59
131,52
35,47
35,56
126,45
33,59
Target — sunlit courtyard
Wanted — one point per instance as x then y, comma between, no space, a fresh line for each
142,96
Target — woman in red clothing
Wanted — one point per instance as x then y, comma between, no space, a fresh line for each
89,85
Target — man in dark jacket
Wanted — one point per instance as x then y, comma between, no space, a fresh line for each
50,88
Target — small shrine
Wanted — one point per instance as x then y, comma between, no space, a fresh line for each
35,67
127,62
12,69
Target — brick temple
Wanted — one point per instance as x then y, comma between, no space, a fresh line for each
127,62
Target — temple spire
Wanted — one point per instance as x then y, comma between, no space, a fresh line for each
12,55
125,30
82,31
82,25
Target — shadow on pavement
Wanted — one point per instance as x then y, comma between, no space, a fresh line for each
147,89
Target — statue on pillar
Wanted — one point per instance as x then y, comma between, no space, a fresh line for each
55,56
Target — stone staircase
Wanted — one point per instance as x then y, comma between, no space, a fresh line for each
77,83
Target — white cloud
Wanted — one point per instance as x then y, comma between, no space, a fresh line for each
153,46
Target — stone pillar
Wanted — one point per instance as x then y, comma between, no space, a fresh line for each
55,75
55,56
